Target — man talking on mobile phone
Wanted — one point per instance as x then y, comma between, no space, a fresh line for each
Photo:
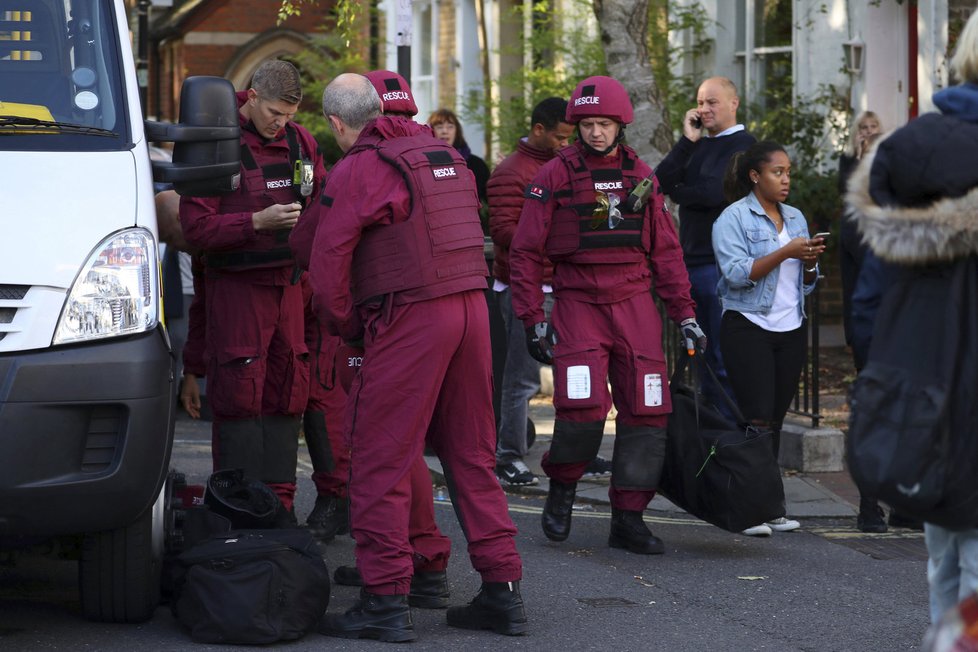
692,175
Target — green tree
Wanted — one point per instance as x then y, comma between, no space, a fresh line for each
554,38
679,89
337,48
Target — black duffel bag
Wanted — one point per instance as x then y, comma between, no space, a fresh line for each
251,587
718,471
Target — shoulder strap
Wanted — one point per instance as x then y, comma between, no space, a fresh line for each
677,375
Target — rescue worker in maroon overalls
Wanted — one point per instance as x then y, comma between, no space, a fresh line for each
398,261
605,323
322,425
431,549
257,361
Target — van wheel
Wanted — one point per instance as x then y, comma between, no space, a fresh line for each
531,432
119,570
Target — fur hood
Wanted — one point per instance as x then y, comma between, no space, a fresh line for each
938,227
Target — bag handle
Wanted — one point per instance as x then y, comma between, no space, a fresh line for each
702,363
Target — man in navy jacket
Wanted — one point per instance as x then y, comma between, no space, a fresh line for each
692,175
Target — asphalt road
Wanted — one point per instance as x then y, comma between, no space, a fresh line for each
815,589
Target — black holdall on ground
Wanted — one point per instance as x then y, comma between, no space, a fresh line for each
913,426
725,474
251,587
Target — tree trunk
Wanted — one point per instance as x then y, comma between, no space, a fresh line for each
624,32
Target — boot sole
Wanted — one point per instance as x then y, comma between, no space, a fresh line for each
615,543
374,633
505,627
556,537
345,580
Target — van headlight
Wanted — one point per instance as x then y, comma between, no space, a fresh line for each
117,291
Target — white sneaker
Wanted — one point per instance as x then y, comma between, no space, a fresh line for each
783,524
761,530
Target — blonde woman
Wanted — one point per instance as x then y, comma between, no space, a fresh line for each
866,128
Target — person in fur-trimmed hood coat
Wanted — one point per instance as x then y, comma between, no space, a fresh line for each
915,199
916,196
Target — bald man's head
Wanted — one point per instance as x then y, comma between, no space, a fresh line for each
716,103
351,98
349,103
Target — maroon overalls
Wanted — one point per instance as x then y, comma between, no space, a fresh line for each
402,266
257,361
606,322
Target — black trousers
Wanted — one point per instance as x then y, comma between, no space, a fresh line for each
763,368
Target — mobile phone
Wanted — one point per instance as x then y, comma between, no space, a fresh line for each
824,235
697,123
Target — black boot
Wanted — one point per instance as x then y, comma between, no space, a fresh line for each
429,589
285,519
381,617
557,510
498,606
347,576
898,519
329,517
870,518
629,531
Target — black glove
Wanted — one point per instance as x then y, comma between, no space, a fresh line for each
540,341
693,335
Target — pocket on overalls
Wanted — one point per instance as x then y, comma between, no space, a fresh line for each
650,386
235,389
577,384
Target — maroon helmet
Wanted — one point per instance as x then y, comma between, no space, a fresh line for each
599,97
395,94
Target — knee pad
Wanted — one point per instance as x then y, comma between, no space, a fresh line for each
575,441
240,446
639,454
281,448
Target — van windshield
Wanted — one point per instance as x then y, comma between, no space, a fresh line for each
61,85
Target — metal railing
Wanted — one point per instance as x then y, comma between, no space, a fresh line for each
806,403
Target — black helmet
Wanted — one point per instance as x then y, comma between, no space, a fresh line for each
246,502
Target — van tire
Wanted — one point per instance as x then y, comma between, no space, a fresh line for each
119,570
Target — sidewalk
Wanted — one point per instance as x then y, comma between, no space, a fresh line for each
807,495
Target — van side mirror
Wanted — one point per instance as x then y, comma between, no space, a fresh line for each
207,150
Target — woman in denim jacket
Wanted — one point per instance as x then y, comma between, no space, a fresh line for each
768,263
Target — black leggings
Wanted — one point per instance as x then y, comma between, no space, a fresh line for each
763,367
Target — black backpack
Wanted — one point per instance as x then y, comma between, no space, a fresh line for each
251,587
913,427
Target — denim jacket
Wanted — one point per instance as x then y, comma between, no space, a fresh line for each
742,234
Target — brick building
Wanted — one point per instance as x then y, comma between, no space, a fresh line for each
227,38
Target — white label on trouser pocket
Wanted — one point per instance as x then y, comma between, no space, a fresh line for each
653,390
579,382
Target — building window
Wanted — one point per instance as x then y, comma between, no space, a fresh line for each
764,51
424,57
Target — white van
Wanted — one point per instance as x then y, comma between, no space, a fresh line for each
86,371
